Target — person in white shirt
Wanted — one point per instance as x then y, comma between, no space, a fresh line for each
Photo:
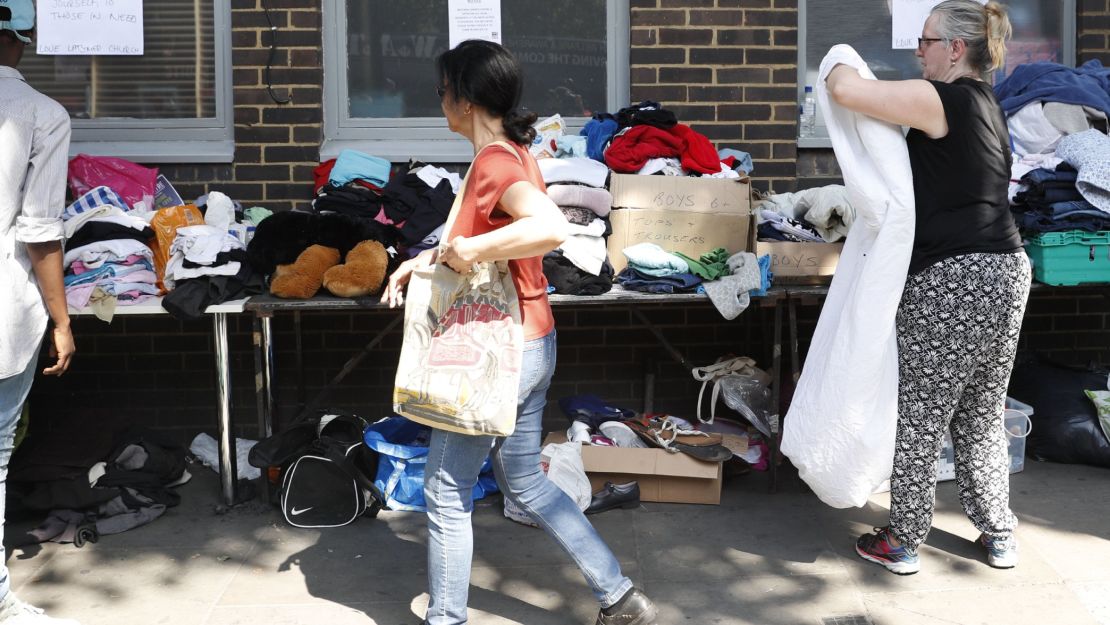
34,145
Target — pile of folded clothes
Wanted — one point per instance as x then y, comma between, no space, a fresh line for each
817,215
1072,196
108,258
415,203
580,265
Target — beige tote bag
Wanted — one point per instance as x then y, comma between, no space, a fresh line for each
460,361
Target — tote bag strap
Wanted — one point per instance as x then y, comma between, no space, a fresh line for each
456,206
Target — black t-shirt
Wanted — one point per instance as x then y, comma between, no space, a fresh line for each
960,181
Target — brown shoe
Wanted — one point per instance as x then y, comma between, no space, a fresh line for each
633,609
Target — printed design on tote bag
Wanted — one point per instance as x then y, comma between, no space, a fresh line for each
469,346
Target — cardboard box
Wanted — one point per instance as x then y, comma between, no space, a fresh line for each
663,476
679,214
801,262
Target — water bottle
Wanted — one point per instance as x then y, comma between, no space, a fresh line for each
807,120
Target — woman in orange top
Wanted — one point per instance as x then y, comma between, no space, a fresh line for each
505,215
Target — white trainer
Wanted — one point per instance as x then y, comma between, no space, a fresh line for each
13,611
621,434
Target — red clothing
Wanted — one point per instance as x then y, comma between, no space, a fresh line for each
493,171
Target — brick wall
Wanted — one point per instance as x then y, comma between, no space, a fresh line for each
277,144
160,372
1093,31
729,69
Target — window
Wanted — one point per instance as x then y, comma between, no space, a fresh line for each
173,103
1044,30
379,76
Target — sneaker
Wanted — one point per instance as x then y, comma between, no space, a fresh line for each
1002,553
634,608
878,549
579,432
13,611
621,435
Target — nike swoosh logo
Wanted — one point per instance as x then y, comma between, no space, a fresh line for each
295,512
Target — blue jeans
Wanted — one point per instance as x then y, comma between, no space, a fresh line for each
453,464
13,392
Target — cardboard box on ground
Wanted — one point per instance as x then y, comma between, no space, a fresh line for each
663,476
679,214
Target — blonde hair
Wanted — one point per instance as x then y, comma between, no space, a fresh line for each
984,29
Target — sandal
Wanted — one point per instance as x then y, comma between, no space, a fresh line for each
663,433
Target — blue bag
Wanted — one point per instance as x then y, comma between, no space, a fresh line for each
402,454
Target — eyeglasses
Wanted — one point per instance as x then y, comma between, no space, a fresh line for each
441,91
922,41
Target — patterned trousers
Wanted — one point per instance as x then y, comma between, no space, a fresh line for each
958,325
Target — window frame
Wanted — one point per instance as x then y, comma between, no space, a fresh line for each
822,140
427,138
166,140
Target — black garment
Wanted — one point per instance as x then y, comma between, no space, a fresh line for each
352,200
222,258
646,112
568,279
422,208
961,181
94,231
190,297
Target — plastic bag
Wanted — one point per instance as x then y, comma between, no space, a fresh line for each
562,462
548,131
402,455
134,183
165,224
1066,426
745,387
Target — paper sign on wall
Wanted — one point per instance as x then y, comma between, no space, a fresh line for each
90,27
474,19
907,19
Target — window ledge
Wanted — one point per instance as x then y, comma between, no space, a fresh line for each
401,150
213,151
814,142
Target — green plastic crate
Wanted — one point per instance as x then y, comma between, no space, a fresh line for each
1070,258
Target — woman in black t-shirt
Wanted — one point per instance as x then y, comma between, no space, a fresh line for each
961,310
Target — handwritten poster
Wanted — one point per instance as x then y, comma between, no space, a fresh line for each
90,27
474,19
908,18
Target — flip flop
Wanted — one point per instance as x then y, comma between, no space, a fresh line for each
705,446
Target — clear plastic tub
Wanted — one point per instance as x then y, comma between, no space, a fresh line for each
1017,424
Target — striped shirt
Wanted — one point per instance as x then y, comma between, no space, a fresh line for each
34,146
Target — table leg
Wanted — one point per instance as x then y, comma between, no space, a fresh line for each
776,390
298,345
229,472
262,337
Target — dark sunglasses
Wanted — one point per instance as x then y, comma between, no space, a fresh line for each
441,91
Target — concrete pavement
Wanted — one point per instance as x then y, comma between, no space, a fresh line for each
757,559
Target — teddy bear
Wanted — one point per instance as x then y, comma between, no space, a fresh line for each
363,272
303,278
290,247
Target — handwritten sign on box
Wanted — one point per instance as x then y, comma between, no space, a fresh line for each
90,27
679,214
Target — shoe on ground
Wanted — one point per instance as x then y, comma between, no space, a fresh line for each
615,496
634,608
13,611
877,548
621,435
1002,553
